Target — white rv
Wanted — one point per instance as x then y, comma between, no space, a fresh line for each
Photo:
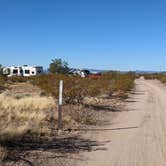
25,71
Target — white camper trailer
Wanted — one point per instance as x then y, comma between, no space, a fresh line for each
25,71
31,71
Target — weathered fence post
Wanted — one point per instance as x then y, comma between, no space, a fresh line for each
60,102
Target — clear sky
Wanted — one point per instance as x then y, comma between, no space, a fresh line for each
102,34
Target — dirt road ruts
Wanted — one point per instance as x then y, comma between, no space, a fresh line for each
137,137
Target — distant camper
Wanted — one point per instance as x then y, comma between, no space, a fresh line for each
25,71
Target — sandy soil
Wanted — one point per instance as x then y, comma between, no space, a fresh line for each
136,137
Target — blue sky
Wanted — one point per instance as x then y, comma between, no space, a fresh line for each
102,34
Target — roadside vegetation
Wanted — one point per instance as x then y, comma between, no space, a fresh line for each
76,88
30,114
159,76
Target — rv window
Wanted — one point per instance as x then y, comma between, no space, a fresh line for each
15,71
27,71
33,72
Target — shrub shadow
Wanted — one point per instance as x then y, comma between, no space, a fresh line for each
18,150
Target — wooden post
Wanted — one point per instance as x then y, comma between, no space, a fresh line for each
60,102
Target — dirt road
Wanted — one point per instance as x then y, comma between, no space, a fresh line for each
137,137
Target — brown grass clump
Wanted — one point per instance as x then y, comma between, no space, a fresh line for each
27,114
32,103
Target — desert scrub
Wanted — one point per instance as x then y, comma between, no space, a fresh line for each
25,117
151,76
76,88
18,79
160,76
81,115
3,81
21,114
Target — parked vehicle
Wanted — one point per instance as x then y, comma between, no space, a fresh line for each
85,73
25,71
79,72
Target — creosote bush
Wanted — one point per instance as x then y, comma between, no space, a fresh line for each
76,88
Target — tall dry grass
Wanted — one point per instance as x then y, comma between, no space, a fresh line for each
30,103
27,115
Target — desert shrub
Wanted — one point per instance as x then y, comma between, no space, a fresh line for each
159,76
151,76
124,82
76,88
16,79
162,79
3,80
83,115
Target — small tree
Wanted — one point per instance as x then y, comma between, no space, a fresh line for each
58,66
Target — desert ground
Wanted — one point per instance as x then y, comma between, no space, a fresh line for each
137,136
134,135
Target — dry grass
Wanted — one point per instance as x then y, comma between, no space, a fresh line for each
28,119
26,103
26,114
23,117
